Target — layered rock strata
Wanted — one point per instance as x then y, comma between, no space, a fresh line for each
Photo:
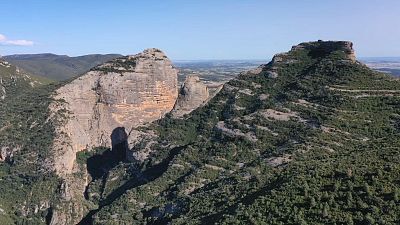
125,92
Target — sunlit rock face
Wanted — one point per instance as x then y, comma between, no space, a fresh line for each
123,93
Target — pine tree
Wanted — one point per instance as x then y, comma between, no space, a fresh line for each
325,211
369,220
349,219
396,195
336,187
349,199
313,203
367,189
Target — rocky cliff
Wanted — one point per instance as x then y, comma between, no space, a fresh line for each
193,94
123,93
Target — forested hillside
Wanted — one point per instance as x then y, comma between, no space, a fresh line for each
28,187
58,67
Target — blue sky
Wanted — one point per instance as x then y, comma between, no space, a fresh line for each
194,29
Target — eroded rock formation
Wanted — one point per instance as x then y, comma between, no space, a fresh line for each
125,92
193,94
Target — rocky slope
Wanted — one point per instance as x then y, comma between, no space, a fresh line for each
12,78
27,186
13,82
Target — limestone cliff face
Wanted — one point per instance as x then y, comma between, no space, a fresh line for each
126,92
192,95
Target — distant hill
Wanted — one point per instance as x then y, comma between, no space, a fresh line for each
57,67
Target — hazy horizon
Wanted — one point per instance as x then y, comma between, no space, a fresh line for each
200,60
186,30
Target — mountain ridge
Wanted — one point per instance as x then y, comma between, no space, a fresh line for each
58,67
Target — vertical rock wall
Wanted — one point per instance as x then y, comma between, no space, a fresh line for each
126,92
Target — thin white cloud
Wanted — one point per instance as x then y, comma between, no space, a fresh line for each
20,42
2,38
5,41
